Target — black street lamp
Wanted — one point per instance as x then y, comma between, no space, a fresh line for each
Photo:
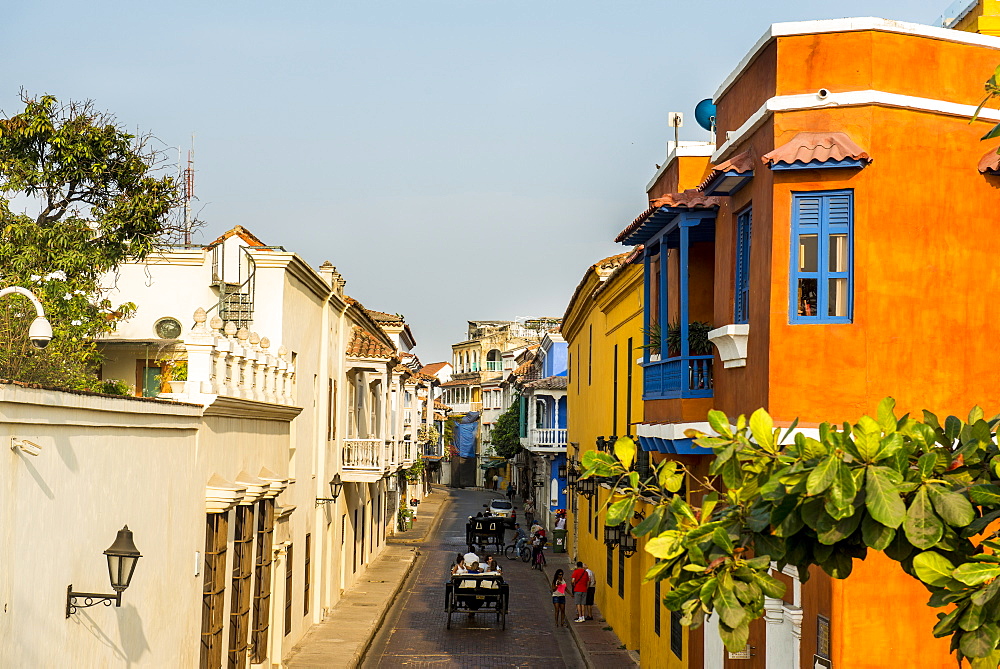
587,487
612,535
122,558
336,486
626,540
562,470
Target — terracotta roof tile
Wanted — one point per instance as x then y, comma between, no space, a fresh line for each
990,163
741,163
433,368
363,345
807,147
242,233
461,382
691,199
438,404
383,317
549,383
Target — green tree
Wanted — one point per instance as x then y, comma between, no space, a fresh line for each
506,434
923,491
94,199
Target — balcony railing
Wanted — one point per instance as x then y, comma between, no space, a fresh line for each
494,365
548,437
362,454
678,378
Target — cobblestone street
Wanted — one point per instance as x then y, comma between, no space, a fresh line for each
414,633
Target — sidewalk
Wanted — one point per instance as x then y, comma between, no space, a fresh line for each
599,647
345,634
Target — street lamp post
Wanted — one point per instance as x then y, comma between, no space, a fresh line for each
40,331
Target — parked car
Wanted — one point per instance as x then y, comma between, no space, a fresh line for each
502,509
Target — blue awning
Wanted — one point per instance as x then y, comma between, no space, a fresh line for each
672,446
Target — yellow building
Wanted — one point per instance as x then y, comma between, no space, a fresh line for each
603,327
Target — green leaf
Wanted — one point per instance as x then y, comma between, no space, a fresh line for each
991,661
994,132
721,539
933,568
925,465
974,573
886,416
620,511
980,642
953,506
735,639
876,535
972,619
650,524
726,603
771,586
922,526
882,496
822,476
667,545
720,423
843,490
625,451
985,494
831,531
867,438
948,623
762,427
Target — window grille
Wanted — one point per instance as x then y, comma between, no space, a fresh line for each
288,591
676,634
213,590
262,581
239,615
610,570
621,571
307,576
823,637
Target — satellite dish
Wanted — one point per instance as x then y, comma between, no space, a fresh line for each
704,114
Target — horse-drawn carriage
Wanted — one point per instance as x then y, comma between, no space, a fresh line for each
484,531
477,593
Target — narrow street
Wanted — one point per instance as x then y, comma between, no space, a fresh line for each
414,633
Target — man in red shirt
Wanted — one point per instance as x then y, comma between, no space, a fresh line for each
580,581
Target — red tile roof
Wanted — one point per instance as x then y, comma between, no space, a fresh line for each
433,368
742,162
461,382
990,163
242,233
383,317
364,345
438,404
807,147
691,199
549,383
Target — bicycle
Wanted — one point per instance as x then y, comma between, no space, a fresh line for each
512,553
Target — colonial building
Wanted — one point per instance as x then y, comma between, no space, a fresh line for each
789,258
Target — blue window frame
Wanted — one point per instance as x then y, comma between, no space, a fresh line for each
821,287
741,308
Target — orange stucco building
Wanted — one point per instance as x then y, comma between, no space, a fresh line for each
841,247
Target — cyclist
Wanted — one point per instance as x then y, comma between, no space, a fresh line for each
520,536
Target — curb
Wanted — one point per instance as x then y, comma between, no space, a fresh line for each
359,654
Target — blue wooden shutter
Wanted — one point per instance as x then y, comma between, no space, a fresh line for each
820,286
742,284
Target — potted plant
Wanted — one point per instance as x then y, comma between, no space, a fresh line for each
698,343
653,335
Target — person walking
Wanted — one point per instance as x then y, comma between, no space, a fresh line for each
591,589
580,582
559,598
529,511
510,492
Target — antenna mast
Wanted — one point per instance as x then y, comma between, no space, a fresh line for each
188,192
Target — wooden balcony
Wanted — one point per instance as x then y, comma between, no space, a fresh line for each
363,460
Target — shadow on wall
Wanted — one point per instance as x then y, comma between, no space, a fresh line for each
133,644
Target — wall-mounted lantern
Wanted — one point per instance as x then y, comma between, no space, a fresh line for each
122,558
612,535
562,470
336,486
626,540
587,487
571,476
601,443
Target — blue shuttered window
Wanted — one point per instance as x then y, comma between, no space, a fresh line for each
742,288
821,286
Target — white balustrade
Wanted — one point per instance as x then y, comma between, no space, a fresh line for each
362,454
222,360
549,437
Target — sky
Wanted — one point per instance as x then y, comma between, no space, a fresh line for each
455,159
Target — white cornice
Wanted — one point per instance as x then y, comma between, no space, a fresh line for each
852,25
294,265
234,407
786,103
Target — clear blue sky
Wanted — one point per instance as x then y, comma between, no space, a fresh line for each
463,159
